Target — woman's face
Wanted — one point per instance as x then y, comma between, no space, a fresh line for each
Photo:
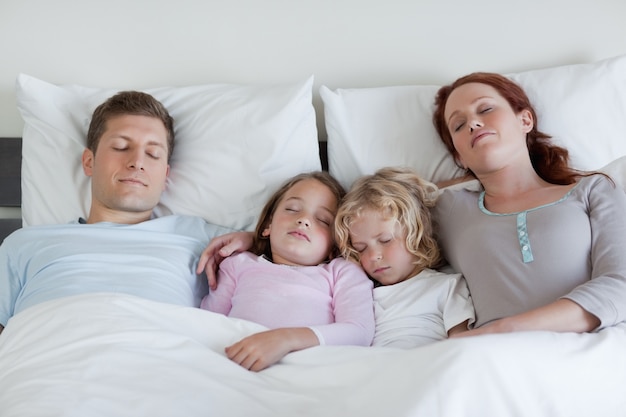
486,132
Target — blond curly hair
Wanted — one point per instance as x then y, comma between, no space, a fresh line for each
397,193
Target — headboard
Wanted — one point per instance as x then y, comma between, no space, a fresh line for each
10,187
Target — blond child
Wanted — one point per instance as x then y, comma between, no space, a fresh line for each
292,282
384,223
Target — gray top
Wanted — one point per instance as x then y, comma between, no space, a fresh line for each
573,248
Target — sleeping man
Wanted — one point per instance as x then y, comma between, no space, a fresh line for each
119,247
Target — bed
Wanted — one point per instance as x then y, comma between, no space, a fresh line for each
109,354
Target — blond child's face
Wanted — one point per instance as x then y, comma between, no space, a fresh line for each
380,242
300,231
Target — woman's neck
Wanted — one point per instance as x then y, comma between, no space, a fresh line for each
506,183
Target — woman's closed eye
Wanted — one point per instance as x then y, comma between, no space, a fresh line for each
457,126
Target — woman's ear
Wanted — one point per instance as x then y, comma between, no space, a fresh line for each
526,117
266,231
459,162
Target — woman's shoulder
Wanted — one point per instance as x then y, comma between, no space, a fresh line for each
601,183
451,197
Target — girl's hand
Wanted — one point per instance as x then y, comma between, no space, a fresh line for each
264,349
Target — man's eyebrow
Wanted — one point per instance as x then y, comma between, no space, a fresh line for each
130,139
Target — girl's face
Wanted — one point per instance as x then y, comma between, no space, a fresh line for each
380,242
485,131
300,231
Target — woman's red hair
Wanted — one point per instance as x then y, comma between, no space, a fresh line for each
551,162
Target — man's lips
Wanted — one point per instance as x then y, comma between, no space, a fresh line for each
133,181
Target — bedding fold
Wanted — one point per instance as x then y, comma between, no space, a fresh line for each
111,354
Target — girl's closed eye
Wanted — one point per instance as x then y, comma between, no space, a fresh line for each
325,221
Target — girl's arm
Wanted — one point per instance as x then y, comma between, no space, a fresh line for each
220,300
261,350
353,305
220,248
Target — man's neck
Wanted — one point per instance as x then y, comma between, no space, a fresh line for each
120,217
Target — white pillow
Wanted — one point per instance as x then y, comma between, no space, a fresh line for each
583,107
235,145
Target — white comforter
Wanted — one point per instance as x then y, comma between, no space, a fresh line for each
117,355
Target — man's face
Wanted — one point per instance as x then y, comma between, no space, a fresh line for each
128,170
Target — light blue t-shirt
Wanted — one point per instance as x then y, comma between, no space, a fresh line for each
155,259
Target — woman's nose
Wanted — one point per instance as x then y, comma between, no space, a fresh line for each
475,124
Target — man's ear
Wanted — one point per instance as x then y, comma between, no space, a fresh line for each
88,159
167,174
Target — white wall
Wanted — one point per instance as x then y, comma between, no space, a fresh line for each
345,43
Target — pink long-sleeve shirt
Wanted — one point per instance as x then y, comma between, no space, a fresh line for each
333,299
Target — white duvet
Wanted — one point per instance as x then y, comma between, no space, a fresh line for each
117,355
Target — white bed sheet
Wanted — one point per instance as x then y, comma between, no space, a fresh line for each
118,355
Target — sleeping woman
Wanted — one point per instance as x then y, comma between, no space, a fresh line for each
541,245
